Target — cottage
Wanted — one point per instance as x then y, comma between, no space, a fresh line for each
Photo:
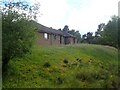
50,36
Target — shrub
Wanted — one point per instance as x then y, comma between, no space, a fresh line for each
65,61
47,64
84,77
113,82
79,60
59,80
17,32
17,38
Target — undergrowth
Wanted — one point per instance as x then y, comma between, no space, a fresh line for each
78,66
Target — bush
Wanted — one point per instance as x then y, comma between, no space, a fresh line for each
65,61
84,77
47,64
17,37
59,80
113,82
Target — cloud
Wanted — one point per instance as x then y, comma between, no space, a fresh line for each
79,15
54,12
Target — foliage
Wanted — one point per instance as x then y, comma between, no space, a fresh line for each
119,33
66,28
73,32
83,40
47,64
17,31
110,32
21,7
77,34
87,37
99,30
65,61
105,34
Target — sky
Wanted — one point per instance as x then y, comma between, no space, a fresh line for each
81,15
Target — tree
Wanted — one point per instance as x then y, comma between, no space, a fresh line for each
87,38
119,33
97,39
83,40
66,28
84,36
17,30
73,32
99,30
59,29
78,36
110,32
76,33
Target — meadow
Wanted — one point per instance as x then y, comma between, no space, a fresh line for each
70,66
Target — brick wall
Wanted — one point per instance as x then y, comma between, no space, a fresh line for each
72,40
52,40
41,40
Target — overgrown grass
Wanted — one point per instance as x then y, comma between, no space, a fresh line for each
91,66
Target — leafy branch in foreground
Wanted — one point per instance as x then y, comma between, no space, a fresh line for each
18,32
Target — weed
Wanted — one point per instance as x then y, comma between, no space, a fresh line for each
84,77
59,80
65,61
95,67
78,59
47,64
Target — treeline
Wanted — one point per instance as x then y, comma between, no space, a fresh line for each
105,34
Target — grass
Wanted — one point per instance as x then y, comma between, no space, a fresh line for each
78,66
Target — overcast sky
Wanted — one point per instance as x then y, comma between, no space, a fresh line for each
82,15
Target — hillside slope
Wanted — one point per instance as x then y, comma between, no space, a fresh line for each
64,66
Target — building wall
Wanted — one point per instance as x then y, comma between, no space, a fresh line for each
76,40
73,40
55,39
62,40
52,40
41,40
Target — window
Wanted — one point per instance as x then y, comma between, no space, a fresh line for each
46,35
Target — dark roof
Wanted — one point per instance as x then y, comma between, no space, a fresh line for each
49,30
44,29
